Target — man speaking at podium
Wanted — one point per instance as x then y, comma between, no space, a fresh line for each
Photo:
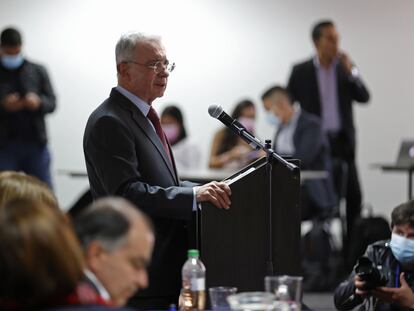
127,154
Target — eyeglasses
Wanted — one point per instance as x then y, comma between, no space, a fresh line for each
158,66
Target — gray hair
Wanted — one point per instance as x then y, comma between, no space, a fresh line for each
107,221
125,47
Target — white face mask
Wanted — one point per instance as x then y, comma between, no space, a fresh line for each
272,119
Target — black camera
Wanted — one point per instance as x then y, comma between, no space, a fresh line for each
372,275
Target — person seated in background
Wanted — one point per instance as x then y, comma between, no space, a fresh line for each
186,154
41,262
228,149
117,241
395,260
18,185
299,135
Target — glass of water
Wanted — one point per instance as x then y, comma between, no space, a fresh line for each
252,301
218,297
287,290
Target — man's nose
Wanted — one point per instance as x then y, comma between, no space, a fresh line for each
164,73
141,279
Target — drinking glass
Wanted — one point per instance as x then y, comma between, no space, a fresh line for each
287,290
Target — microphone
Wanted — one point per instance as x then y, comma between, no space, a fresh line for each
217,112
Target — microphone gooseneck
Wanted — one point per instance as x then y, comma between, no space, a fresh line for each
217,112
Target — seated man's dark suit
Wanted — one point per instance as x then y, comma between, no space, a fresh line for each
311,147
303,86
125,157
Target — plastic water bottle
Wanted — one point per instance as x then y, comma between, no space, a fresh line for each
193,293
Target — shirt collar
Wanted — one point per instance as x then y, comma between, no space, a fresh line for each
142,106
101,289
296,114
318,66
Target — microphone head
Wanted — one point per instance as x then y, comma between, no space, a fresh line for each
215,110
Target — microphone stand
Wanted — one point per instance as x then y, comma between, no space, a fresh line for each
271,157
269,167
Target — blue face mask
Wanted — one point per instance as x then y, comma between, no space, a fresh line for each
402,248
12,61
272,119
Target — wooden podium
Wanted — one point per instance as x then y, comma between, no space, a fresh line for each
235,243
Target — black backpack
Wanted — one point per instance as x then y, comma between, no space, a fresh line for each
367,230
321,261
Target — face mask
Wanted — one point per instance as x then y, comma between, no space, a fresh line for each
402,248
171,131
248,123
12,61
272,119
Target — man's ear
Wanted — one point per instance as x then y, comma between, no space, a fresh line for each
123,70
94,255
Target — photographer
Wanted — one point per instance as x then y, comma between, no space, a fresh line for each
389,277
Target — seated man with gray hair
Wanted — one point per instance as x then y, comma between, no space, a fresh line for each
117,240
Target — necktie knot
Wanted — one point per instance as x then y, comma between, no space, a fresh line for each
153,116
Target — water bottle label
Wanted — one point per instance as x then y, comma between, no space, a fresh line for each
198,284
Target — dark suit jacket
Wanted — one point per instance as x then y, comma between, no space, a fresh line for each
125,157
312,149
31,78
303,86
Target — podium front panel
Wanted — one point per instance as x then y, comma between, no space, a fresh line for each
234,243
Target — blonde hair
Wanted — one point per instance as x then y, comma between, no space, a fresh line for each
17,185
41,259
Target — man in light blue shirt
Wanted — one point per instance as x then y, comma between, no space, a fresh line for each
299,135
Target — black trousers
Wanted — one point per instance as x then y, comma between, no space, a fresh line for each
346,180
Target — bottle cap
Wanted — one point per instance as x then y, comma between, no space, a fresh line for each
193,253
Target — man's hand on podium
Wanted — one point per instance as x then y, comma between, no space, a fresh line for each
217,193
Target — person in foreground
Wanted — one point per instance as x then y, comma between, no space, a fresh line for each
127,154
117,241
18,185
395,260
41,262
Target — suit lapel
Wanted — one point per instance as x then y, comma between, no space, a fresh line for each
146,127
313,81
299,128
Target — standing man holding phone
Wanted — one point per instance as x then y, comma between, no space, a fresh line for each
327,85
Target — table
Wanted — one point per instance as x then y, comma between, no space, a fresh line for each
399,168
204,175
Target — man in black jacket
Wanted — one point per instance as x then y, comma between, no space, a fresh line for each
395,259
127,154
26,96
326,85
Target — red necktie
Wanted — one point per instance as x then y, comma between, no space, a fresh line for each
155,120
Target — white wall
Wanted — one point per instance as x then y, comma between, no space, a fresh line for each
225,51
